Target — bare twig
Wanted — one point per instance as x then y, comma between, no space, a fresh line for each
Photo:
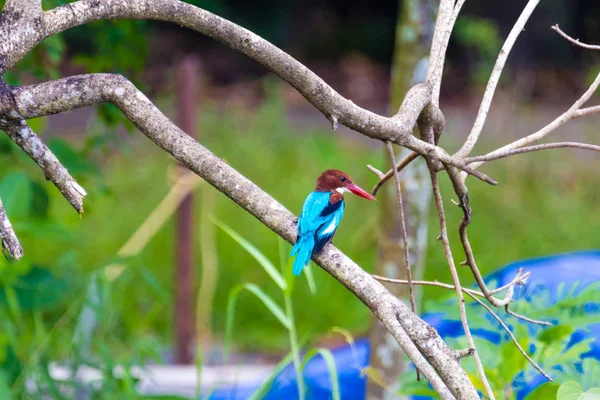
383,178
447,15
458,354
471,292
459,293
519,279
513,338
573,112
374,170
427,283
530,149
575,41
390,149
524,318
474,294
10,242
23,135
490,90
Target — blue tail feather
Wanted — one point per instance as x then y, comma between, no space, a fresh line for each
303,250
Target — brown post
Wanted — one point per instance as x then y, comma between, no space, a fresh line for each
187,83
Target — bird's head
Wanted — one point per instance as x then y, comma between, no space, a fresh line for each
334,180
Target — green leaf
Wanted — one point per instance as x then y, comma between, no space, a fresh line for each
263,389
545,391
556,333
572,390
266,300
329,360
15,189
310,279
254,252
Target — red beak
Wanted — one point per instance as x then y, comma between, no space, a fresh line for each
359,192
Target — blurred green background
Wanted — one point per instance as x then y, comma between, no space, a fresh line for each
546,202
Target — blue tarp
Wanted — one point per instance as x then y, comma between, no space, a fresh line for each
548,274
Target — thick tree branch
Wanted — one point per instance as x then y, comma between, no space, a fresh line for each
10,243
446,376
334,106
21,29
490,90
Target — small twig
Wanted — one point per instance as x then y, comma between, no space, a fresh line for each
524,318
574,41
437,195
490,89
518,280
514,339
10,242
25,137
427,283
458,354
392,156
573,112
471,292
390,149
375,171
383,178
529,149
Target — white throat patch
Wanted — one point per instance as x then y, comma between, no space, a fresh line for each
341,190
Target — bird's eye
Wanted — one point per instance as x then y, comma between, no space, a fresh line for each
343,179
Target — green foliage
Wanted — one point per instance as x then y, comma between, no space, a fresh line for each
505,367
286,319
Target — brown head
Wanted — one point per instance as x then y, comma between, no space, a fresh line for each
334,180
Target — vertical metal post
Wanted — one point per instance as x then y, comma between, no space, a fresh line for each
187,103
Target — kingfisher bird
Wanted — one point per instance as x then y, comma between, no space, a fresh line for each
321,214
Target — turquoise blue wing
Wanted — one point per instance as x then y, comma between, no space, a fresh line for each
325,233
311,218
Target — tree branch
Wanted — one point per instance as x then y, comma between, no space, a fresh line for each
25,137
574,41
490,90
10,242
465,290
334,106
446,376
512,337
573,112
390,149
530,149
461,301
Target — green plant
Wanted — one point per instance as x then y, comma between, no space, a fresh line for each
507,370
285,281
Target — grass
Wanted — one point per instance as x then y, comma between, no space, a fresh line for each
546,203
